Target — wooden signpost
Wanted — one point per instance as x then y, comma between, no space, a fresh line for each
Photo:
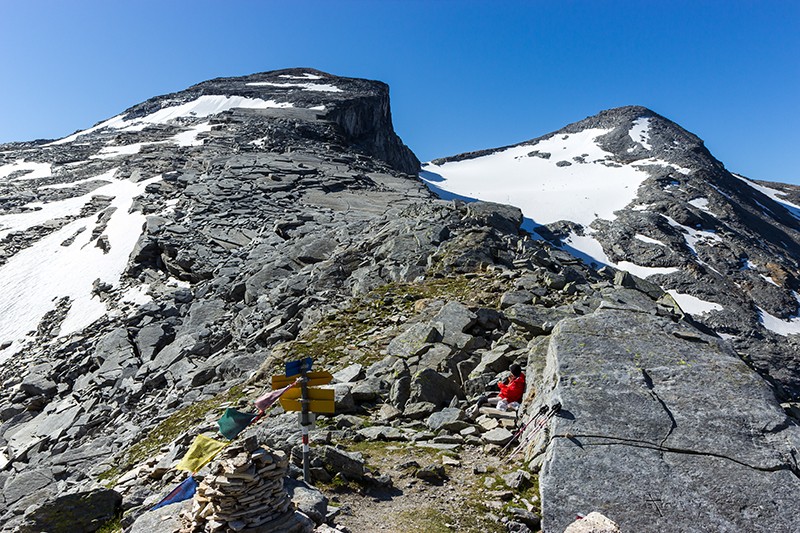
306,399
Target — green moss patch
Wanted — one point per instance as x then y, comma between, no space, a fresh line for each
360,331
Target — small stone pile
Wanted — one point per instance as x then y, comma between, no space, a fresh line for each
243,493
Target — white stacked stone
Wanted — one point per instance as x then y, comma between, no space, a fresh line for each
244,493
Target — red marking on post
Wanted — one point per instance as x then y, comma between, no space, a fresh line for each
305,439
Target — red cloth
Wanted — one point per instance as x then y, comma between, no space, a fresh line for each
513,391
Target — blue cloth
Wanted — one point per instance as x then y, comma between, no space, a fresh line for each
182,492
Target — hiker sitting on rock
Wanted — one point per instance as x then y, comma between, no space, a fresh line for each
511,391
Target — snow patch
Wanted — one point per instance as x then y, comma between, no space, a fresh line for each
189,137
778,325
34,170
640,132
109,152
591,251
322,87
774,194
701,204
649,240
692,236
202,107
304,76
694,305
655,161
137,295
769,279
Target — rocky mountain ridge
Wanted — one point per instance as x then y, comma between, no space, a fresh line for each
188,247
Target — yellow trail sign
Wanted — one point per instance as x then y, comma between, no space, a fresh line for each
313,394
315,379
315,406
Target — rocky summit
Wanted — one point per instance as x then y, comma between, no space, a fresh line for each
163,265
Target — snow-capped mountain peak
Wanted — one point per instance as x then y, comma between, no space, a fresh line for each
630,189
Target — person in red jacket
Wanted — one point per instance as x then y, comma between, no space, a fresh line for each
513,387
511,391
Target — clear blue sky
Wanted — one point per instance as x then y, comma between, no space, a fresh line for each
464,74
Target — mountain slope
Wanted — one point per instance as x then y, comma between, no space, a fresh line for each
162,265
630,189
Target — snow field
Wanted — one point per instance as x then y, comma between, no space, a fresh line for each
34,279
545,192
42,212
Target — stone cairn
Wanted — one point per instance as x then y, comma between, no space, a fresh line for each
243,493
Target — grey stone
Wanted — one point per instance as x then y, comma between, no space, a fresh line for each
515,297
350,374
436,357
400,391
150,339
526,517
308,500
388,412
81,511
342,398
368,390
418,410
414,340
499,436
432,473
536,320
493,361
628,280
37,385
430,386
349,421
504,218
350,465
450,418
27,482
382,433
455,319
164,519
517,480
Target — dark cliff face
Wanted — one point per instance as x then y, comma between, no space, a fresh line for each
359,107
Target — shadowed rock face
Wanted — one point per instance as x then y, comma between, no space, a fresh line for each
662,428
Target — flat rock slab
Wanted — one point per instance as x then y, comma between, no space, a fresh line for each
660,433
498,436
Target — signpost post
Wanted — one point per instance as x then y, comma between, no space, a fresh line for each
310,400
305,424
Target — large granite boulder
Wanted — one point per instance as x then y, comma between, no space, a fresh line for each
662,429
